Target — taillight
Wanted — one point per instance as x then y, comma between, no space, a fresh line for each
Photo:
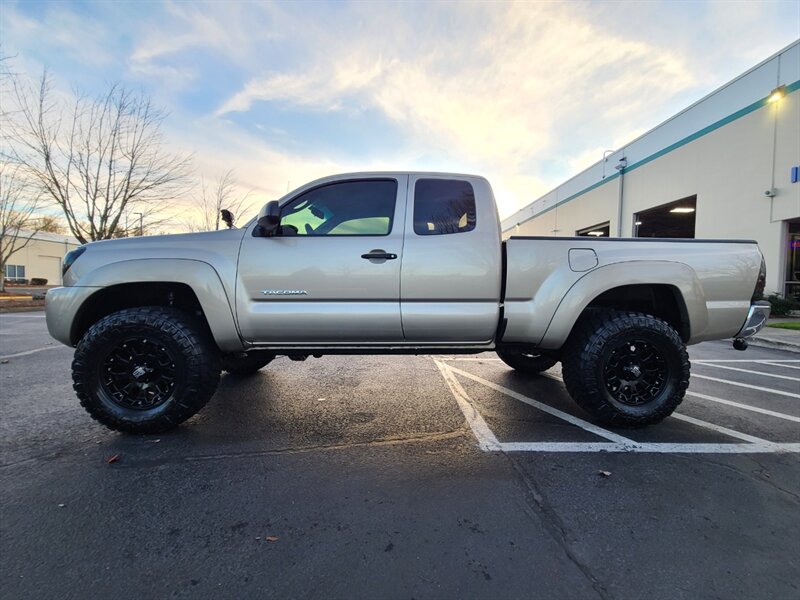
761,282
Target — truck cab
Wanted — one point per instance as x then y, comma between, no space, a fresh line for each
392,258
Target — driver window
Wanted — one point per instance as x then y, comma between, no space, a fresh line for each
363,207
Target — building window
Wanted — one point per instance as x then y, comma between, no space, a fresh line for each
443,206
601,230
344,208
673,220
15,271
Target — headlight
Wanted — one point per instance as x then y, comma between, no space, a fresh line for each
70,258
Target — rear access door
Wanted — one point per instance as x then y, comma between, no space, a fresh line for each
451,271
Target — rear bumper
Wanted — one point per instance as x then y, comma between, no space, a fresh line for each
756,319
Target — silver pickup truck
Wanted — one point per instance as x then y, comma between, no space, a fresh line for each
395,263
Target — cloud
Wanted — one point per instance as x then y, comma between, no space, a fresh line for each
527,94
493,90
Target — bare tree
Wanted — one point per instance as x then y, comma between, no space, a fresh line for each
98,159
224,195
18,223
50,224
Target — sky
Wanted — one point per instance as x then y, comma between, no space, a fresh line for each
526,94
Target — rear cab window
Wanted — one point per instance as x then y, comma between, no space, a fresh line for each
443,207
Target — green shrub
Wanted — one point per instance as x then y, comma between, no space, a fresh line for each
38,281
781,306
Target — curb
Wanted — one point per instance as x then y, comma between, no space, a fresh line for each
774,344
16,309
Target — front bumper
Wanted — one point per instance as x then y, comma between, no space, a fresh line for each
756,319
61,309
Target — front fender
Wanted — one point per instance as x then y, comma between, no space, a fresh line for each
200,276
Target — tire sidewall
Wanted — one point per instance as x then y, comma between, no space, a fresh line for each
668,350
106,342
196,358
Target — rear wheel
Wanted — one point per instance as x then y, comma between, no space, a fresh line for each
525,361
145,370
627,369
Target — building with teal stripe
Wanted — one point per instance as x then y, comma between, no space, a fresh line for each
725,167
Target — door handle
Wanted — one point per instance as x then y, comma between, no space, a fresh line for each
379,254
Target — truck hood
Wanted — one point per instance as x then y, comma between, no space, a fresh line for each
217,248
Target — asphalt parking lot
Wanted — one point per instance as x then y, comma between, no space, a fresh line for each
401,477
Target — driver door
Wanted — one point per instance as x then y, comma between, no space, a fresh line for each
331,275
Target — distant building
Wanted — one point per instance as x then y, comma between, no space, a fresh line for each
41,258
725,167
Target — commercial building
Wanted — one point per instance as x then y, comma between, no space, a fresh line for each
40,258
725,167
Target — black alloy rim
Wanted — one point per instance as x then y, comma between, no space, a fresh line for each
635,372
139,374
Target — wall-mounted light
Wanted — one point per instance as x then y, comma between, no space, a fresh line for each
638,223
623,162
682,209
777,94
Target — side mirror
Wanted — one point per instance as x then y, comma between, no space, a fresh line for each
269,219
227,217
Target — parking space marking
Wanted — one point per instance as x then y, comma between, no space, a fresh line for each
746,360
720,429
776,364
757,409
656,448
488,440
749,371
585,425
747,385
27,352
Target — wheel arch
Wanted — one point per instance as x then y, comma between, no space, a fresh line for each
190,285
668,290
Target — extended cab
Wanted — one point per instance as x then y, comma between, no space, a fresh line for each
382,263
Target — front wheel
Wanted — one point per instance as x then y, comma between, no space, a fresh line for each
627,369
525,362
145,370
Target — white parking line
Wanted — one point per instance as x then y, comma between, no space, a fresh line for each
657,448
746,360
448,359
748,371
585,425
486,438
764,411
6,316
720,429
757,409
776,364
747,385
488,441
27,352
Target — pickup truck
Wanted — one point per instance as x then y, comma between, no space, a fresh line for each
395,263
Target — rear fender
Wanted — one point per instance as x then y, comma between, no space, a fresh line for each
590,286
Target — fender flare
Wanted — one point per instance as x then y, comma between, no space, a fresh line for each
200,276
677,275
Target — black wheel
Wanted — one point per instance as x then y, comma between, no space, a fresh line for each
525,362
247,364
145,370
627,369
